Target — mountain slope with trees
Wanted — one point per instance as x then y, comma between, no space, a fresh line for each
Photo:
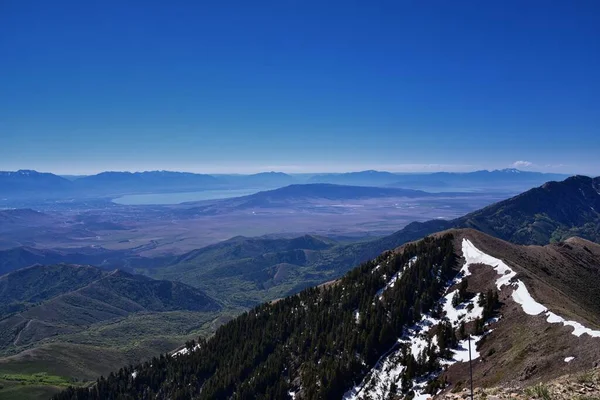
322,342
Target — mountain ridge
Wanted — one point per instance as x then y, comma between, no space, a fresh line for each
24,184
370,333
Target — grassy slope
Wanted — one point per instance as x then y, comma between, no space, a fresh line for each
103,348
19,390
77,323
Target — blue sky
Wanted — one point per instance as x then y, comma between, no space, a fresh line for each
299,85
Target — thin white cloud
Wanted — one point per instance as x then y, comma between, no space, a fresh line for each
522,164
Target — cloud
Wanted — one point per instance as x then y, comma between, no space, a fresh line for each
522,164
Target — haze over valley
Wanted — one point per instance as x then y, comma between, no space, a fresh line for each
70,216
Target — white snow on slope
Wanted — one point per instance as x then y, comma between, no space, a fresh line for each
185,350
389,369
395,277
462,312
462,353
569,359
520,294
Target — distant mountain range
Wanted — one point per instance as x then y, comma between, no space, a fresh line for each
505,179
301,194
361,178
32,183
260,180
27,184
24,183
153,181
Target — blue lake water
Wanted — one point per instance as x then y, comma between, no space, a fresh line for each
181,197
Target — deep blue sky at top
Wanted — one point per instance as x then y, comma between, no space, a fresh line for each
299,85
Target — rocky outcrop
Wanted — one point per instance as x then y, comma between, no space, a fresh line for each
582,386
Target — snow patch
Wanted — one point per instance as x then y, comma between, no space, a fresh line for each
184,351
578,329
569,359
462,353
521,296
520,293
394,278
468,311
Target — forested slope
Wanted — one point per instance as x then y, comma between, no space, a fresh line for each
323,339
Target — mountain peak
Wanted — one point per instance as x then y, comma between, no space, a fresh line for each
510,170
27,172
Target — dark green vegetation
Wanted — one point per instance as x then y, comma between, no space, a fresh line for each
30,387
247,271
80,321
62,297
313,337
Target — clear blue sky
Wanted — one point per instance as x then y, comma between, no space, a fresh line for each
299,85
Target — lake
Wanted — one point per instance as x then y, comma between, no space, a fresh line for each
181,197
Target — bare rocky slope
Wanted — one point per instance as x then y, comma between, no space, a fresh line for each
578,386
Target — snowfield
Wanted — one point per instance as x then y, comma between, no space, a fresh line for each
520,294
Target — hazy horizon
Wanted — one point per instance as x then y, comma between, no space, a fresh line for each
311,170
